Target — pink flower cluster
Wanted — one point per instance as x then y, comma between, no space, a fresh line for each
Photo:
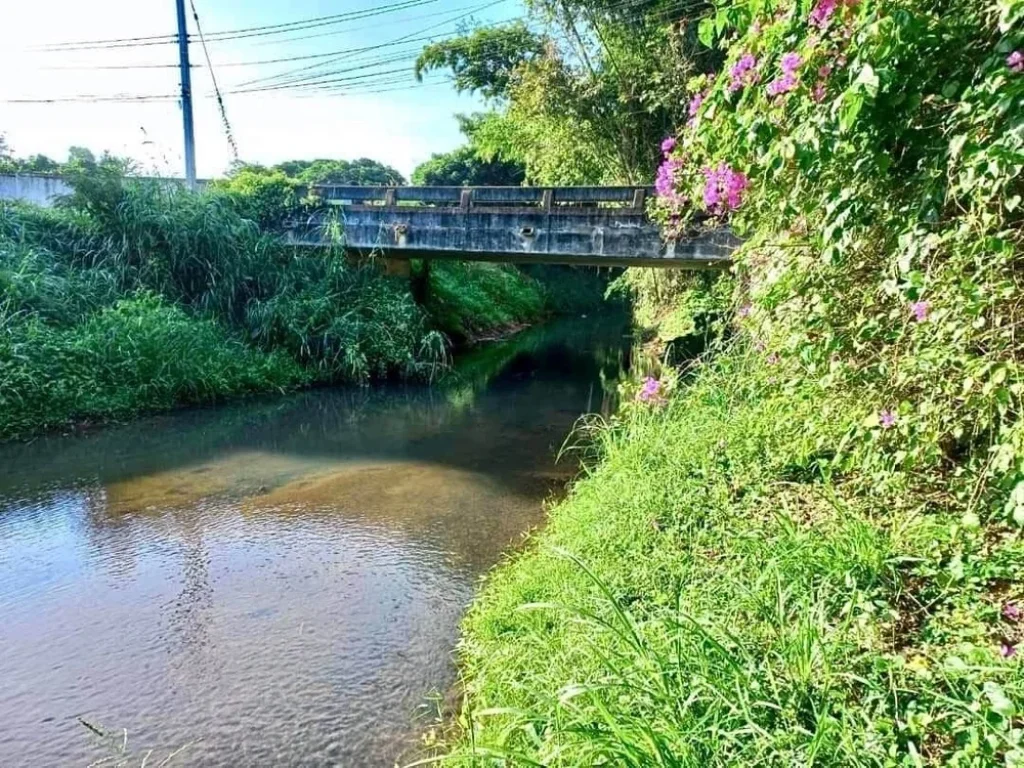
791,62
743,72
724,188
650,392
920,310
1015,61
821,14
665,183
695,102
818,92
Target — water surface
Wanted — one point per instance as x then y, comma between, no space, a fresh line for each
277,582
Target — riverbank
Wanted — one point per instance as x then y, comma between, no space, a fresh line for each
133,298
708,592
808,548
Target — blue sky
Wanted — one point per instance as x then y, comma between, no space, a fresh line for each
373,107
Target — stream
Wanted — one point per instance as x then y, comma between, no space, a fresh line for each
278,581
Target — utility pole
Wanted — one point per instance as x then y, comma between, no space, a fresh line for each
186,98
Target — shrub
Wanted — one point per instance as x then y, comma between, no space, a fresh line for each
139,354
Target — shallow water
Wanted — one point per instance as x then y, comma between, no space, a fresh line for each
277,582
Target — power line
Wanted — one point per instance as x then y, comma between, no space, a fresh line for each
399,39
242,33
216,89
363,28
320,21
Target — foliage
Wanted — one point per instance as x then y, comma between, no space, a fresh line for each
723,605
211,276
361,172
463,167
138,354
269,198
809,550
890,171
587,100
485,59
678,305
78,158
467,299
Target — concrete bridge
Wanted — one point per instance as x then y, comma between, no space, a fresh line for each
598,226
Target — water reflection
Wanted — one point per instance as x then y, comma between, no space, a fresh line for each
277,582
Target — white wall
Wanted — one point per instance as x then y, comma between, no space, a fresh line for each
44,190
41,190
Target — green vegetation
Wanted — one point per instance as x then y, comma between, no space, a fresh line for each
464,167
807,547
468,299
132,296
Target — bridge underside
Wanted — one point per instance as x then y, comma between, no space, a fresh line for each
596,226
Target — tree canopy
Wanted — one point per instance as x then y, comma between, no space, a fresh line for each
585,92
361,172
484,60
464,167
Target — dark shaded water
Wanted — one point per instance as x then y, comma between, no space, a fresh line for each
277,582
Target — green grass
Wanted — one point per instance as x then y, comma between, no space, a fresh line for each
709,594
137,355
468,299
131,297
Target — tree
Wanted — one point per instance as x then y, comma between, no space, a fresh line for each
589,99
464,167
484,60
361,172
38,164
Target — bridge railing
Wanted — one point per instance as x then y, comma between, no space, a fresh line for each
563,200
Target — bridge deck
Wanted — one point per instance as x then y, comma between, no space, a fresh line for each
604,226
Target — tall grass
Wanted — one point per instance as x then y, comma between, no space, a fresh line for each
132,296
468,299
728,602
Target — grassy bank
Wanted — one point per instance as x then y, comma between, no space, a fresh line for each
130,297
708,595
808,549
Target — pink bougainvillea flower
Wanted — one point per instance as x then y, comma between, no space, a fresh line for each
823,11
920,310
724,188
650,392
1012,612
695,102
668,144
821,14
665,183
887,419
781,85
743,72
1015,61
791,61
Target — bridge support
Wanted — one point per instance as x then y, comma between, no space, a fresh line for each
396,267
420,282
